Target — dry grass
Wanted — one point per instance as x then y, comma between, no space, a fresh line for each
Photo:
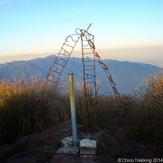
27,109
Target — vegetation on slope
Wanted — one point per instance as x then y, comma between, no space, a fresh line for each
27,109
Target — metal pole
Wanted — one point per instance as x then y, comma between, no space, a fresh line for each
73,108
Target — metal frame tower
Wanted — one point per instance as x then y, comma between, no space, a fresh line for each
89,59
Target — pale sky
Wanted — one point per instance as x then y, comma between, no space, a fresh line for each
123,29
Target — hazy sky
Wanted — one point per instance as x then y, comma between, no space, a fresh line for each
40,26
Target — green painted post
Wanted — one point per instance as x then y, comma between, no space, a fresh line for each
73,108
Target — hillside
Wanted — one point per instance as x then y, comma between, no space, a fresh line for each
127,75
33,123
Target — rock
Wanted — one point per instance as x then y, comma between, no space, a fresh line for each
67,141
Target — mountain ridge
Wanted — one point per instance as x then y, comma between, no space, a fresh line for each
127,75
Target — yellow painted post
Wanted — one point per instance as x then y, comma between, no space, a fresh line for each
73,108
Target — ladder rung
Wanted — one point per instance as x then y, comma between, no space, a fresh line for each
66,51
89,65
87,53
91,77
89,61
58,72
90,74
87,69
68,45
86,48
61,59
63,54
53,79
55,71
62,65
90,80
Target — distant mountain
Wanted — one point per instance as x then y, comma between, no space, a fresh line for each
127,75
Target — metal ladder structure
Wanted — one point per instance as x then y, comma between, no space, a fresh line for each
61,60
89,58
105,68
89,64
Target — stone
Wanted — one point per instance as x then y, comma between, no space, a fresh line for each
67,141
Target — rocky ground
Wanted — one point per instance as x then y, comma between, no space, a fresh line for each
41,147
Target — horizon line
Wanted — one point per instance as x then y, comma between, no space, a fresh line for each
56,51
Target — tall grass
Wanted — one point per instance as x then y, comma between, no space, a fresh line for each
25,110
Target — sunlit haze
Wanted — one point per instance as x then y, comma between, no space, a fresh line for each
124,30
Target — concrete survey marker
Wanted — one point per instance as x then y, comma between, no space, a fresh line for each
87,147
71,145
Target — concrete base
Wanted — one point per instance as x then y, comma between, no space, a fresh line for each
87,147
68,150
